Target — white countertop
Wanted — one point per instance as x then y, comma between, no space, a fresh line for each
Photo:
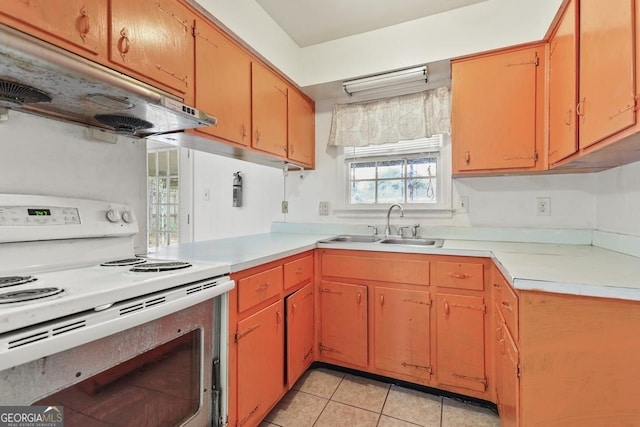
560,268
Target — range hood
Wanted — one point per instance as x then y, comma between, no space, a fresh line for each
39,78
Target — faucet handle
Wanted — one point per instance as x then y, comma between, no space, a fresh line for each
414,230
401,230
375,229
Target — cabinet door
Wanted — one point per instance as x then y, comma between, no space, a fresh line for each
460,341
79,25
499,352
269,108
343,323
563,84
299,332
510,396
301,129
495,117
401,331
260,363
154,40
606,69
223,84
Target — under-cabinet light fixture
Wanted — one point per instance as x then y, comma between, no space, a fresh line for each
388,81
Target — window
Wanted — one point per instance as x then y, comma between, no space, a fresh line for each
415,173
163,192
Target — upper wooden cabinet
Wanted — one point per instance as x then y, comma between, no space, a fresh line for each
563,78
300,129
607,92
223,84
498,111
154,41
269,111
80,26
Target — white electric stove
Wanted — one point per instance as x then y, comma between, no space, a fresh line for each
69,275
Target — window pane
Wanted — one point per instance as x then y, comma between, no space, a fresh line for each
164,218
163,163
390,191
365,170
363,192
152,166
152,188
163,190
421,167
173,162
421,191
173,190
390,169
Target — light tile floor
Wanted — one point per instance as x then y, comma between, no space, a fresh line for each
324,397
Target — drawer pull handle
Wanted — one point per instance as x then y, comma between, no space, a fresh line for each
262,287
459,275
381,299
294,309
496,285
123,43
299,270
359,297
507,305
447,310
278,317
84,24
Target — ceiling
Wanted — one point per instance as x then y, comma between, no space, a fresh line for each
310,22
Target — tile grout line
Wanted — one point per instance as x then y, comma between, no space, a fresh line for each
328,400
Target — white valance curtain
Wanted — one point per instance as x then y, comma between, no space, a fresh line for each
406,117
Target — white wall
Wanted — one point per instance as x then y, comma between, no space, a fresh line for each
487,25
216,218
493,201
44,156
618,200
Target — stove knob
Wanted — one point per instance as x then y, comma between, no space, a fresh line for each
127,217
112,215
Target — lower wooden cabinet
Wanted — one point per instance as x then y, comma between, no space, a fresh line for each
260,346
460,338
510,381
299,332
343,323
401,332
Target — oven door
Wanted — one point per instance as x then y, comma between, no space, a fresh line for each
155,374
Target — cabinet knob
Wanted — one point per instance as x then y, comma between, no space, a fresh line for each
83,24
447,310
294,309
567,117
467,157
123,43
278,317
381,299
580,106
262,287
359,298
506,305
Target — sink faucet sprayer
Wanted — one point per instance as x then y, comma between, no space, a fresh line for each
387,229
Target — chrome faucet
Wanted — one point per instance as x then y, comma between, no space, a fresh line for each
387,229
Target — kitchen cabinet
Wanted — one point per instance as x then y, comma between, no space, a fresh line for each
298,271
80,26
343,323
300,336
498,107
300,129
222,84
154,41
510,381
402,332
563,97
260,346
269,111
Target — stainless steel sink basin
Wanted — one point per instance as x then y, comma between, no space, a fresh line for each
352,238
435,243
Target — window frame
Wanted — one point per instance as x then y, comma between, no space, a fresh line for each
444,185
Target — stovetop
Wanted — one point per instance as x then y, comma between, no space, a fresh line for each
93,287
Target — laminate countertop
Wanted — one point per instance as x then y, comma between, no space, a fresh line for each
559,268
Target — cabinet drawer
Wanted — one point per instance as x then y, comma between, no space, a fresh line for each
508,303
254,289
460,275
392,269
298,271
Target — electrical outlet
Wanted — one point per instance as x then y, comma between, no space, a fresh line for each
543,206
285,207
463,205
323,208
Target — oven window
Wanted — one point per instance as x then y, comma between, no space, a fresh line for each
160,387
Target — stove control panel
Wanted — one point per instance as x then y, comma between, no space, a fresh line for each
36,216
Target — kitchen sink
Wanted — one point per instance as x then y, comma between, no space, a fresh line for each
436,243
352,238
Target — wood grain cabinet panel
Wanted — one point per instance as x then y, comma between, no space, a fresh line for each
300,129
343,323
401,332
300,315
259,287
79,26
395,269
607,93
498,111
269,111
223,84
260,367
563,86
154,41
298,271
460,341
460,275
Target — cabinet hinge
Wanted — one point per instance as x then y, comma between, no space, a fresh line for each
411,365
535,156
537,61
245,419
239,335
330,291
417,301
328,349
482,380
518,370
